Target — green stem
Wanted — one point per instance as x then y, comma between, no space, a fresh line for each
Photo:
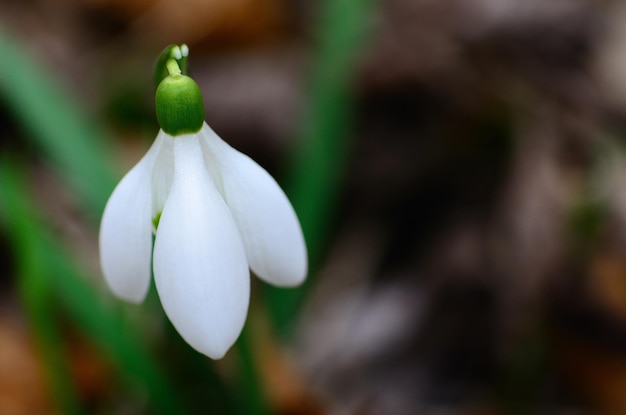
327,135
172,67
249,380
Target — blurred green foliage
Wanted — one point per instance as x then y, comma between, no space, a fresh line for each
47,275
48,115
326,135
50,283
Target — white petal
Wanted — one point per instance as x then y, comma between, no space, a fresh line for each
126,231
163,174
269,226
200,267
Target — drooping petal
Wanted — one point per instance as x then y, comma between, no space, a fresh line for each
200,267
269,227
126,231
163,174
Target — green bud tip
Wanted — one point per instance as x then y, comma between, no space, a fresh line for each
179,106
178,53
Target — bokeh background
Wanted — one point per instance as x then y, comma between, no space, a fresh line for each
458,166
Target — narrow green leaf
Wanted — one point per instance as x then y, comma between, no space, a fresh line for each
102,323
52,119
318,166
36,297
249,381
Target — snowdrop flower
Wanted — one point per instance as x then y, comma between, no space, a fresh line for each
214,214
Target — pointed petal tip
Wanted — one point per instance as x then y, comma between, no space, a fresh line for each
295,281
288,270
136,297
125,239
270,230
214,353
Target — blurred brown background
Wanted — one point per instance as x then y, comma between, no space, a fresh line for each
477,256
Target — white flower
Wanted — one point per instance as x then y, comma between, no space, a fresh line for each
218,213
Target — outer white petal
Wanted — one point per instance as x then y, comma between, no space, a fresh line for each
162,174
200,267
269,227
126,231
